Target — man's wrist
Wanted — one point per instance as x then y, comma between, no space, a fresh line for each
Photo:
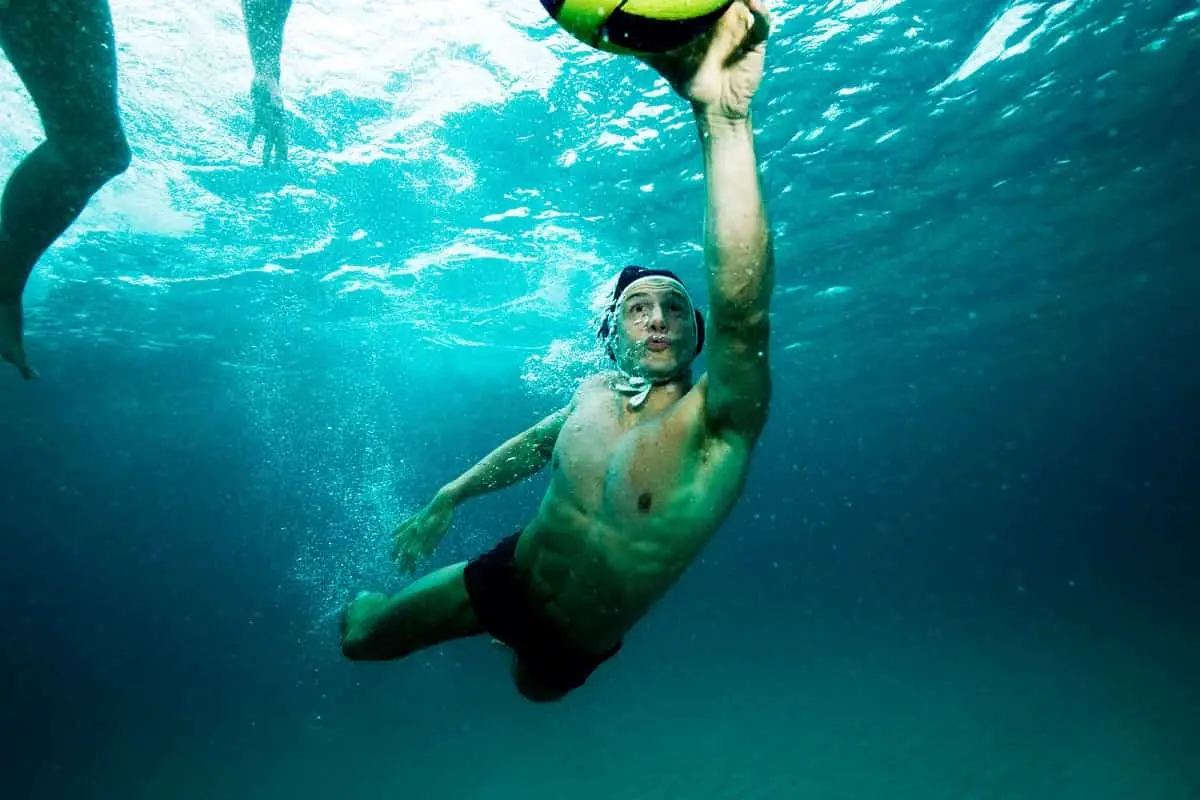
715,123
267,72
450,493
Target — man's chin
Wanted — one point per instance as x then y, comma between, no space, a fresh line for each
658,369
656,365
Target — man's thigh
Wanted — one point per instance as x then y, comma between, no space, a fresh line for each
436,608
65,54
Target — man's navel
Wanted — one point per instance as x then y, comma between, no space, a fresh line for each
644,501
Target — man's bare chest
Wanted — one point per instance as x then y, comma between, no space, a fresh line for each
605,457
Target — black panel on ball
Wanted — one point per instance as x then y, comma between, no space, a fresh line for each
654,35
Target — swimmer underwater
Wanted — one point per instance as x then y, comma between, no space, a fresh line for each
645,463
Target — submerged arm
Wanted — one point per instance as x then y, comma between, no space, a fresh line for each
517,459
265,20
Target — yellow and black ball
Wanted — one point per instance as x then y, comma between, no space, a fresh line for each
636,26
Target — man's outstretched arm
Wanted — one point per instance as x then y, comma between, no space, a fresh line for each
517,459
738,252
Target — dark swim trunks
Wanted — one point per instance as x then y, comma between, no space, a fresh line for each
502,603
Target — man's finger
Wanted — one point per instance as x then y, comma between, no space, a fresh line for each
761,25
276,158
727,36
398,543
759,7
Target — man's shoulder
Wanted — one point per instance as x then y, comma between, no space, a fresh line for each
593,384
589,390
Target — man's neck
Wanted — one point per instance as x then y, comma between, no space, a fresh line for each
660,395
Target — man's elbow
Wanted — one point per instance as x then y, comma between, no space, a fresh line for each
745,423
745,323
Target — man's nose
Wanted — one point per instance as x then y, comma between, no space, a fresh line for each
658,321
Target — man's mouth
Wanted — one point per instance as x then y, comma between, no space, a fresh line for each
657,343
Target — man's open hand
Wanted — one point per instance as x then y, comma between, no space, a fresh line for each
418,536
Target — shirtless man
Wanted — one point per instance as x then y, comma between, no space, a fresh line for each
64,53
646,463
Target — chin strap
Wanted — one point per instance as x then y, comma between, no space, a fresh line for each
637,386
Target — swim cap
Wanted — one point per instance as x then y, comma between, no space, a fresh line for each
627,278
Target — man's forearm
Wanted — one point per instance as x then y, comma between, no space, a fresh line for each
737,244
265,20
517,459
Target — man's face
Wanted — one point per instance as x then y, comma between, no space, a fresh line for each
657,330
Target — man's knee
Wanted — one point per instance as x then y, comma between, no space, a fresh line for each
370,642
96,159
356,648
375,649
358,645
116,157
110,157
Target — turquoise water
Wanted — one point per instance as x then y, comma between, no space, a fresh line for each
961,566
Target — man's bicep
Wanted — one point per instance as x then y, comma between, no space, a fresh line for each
546,431
738,395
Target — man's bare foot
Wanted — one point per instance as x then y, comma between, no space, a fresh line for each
12,348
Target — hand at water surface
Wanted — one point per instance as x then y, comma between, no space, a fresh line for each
720,72
270,120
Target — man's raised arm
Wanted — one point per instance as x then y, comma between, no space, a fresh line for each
741,274
719,75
